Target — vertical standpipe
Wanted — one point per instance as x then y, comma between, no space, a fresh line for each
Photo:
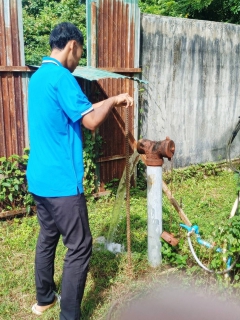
154,208
155,151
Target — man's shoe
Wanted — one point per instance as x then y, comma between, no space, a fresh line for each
39,310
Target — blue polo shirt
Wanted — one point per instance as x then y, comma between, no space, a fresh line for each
55,105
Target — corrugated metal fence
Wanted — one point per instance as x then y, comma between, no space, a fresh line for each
12,79
113,44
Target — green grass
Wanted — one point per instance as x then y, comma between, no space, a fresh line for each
207,201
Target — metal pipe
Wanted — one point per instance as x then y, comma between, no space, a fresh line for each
155,152
154,205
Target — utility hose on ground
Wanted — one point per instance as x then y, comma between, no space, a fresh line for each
202,265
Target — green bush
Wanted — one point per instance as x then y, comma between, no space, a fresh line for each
40,17
13,184
91,147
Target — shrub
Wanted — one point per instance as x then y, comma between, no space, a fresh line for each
13,184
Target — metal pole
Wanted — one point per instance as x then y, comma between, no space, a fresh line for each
154,204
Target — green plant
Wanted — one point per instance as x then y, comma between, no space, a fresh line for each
13,184
213,10
141,182
227,237
92,145
112,185
197,171
196,190
141,176
39,18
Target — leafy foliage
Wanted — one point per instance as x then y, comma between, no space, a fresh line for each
92,145
112,186
34,7
213,10
40,17
209,208
13,184
198,171
229,233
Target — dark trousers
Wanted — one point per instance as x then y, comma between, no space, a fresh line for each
66,216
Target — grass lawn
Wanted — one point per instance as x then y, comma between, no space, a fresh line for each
207,201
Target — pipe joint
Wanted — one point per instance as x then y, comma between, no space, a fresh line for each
155,151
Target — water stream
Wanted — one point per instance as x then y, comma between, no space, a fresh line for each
117,208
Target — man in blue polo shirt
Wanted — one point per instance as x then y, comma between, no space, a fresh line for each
55,169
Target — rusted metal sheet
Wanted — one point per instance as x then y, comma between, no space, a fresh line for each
12,80
113,42
15,69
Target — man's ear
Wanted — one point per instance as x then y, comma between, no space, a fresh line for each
71,44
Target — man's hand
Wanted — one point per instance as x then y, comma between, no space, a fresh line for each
123,100
101,109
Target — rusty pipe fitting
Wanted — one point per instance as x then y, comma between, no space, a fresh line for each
156,150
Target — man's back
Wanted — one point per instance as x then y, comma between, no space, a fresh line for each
56,104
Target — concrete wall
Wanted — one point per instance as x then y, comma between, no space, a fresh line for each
193,94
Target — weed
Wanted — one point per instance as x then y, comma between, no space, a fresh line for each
13,184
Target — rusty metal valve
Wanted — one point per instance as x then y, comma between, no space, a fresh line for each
155,151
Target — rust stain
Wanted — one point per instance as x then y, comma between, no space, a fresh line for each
11,92
116,49
150,180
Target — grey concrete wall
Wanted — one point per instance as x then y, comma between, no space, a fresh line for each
193,94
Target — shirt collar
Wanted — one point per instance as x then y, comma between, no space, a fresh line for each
51,60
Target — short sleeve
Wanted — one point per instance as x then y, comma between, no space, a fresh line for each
71,98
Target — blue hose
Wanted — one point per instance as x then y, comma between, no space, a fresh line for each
195,229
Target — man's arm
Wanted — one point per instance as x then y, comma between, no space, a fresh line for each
93,119
98,104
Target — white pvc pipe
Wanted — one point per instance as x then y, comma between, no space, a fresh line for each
234,208
154,204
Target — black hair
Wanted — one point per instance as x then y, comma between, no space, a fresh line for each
63,33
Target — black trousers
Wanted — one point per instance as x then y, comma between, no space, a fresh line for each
66,216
